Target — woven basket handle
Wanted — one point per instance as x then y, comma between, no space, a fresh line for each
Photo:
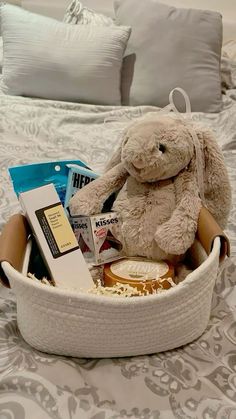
14,237
13,241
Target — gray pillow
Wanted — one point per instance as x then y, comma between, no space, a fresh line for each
171,47
53,60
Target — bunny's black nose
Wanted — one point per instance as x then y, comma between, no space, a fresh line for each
161,147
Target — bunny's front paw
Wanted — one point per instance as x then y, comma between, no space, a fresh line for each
174,240
83,205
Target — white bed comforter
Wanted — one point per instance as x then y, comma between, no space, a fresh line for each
197,381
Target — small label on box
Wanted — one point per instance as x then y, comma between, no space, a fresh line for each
54,224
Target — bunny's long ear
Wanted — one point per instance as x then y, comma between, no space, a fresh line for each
217,189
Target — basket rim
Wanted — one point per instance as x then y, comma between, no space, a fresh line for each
47,290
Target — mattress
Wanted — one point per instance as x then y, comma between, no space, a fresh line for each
194,381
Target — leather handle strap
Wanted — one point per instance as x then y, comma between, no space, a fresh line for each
13,241
208,230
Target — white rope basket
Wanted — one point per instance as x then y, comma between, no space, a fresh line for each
82,325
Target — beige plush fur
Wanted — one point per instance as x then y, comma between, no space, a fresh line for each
154,175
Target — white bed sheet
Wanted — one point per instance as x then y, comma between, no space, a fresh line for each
196,381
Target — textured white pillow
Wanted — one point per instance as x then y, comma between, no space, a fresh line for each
54,60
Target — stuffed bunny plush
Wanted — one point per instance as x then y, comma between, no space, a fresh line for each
154,173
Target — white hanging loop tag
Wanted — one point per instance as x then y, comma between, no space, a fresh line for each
196,142
186,99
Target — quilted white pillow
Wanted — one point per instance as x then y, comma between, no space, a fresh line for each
50,59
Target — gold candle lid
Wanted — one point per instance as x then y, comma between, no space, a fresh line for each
145,275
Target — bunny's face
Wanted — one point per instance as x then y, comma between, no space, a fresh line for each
156,149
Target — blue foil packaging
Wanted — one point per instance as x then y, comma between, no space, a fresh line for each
31,176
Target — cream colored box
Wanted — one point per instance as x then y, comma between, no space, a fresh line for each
55,238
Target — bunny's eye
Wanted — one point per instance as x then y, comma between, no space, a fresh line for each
162,148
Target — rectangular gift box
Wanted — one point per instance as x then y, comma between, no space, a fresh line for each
95,237
55,238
